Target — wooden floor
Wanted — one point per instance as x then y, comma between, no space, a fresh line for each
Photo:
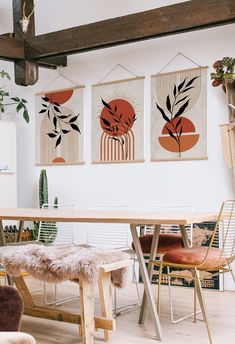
220,306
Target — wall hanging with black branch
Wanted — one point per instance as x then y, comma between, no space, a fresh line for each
117,125
59,126
178,127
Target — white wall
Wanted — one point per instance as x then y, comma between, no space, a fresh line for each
201,183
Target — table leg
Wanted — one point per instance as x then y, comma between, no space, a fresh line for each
146,281
21,227
150,271
2,237
184,236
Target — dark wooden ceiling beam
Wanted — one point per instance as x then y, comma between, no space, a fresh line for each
163,21
53,62
11,48
26,71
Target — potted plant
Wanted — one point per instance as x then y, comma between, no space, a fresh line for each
224,75
6,99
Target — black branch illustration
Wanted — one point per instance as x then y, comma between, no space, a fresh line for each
118,126
63,120
176,108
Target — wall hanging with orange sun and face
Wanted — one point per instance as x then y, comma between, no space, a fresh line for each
117,131
179,115
60,126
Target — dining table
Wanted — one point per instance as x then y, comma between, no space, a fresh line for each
131,217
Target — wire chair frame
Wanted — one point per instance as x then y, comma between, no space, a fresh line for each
217,258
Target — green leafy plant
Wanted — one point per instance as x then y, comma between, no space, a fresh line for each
7,100
224,69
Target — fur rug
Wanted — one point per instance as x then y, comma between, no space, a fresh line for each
56,264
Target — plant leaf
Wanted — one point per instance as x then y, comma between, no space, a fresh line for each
51,135
168,103
174,91
55,121
181,85
63,116
56,109
26,115
105,121
178,122
171,134
43,110
188,88
75,127
106,104
64,131
46,99
73,119
181,110
181,100
191,81
58,141
163,113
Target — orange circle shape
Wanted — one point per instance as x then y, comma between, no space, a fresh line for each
186,139
60,97
120,120
58,160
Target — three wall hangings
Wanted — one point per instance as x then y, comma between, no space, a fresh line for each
178,120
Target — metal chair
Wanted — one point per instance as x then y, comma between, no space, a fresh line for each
214,259
114,236
169,239
56,233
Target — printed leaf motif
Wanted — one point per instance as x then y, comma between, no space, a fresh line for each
168,103
163,113
178,122
73,119
46,99
75,127
191,81
105,121
181,100
171,134
174,91
58,141
181,110
181,85
106,104
51,135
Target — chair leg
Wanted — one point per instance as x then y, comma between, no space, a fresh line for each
231,270
105,290
194,314
158,290
202,303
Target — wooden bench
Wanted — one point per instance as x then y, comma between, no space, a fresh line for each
86,319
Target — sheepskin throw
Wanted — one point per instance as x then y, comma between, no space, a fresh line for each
56,264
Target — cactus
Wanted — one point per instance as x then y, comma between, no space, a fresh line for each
43,188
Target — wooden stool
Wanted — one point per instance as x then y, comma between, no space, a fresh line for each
86,318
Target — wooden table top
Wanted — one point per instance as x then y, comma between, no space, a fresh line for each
124,216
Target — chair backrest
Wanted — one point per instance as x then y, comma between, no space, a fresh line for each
109,235
56,233
173,208
224,233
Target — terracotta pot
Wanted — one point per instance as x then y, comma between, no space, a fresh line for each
230,90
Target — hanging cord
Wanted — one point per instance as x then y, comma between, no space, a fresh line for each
173,58
117,65
57,77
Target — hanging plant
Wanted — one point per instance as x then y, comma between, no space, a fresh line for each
224,70
7,100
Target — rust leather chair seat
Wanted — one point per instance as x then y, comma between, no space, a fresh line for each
195,256
167,242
